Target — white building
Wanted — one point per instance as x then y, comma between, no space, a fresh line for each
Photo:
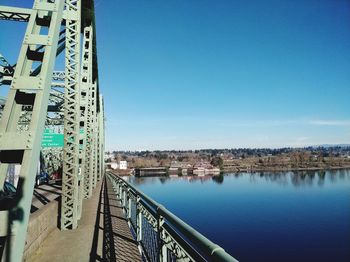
114,165
123,165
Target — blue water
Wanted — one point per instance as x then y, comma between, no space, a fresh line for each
264,216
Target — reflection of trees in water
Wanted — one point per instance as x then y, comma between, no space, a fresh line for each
298,178
342,174
277,177
333,175
162,180
295,178
302,178
143,180
218,179
321,177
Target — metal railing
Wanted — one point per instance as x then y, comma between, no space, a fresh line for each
161,235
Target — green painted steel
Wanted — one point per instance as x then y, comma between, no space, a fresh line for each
175,236
19,145
22,133
85,81
70,175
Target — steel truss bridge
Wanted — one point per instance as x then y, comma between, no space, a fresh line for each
39,97
42,97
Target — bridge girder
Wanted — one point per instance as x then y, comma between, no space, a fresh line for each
24,147
61,96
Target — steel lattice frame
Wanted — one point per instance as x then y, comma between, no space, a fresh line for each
86,81
79,107
94,136
70,175
15,14
101,139
24,147
89,167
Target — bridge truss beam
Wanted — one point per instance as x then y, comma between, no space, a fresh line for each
23,147
86,82
35,101
70,175
15,13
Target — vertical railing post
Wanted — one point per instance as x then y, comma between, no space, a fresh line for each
124,197
164,252
129,204
162,249
138,222
115,186
118,190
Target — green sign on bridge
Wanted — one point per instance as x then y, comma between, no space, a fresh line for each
52,139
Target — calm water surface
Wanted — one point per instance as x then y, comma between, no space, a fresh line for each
264,216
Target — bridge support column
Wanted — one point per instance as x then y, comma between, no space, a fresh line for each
28,92
86,80
70,176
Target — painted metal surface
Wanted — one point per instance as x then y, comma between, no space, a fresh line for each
23,146
15,13
70,175
41,98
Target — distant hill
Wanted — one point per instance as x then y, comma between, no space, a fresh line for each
332,145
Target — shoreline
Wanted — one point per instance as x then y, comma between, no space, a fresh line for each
281,169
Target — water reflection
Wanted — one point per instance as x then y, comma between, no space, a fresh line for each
294,178
282,216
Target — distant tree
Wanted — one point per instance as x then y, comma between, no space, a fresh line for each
217,161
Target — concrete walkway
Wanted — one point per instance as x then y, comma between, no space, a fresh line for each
73,245
122,246
102,234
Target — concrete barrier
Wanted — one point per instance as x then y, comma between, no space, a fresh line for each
41,223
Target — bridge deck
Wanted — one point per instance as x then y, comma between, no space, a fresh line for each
122,243
102,235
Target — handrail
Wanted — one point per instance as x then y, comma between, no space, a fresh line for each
206,247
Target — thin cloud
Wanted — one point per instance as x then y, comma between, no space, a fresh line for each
330,122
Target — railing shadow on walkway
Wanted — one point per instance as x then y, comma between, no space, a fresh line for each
107,252
112,239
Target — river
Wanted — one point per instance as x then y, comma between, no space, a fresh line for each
289,216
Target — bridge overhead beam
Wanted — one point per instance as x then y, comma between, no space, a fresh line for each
15,13
23,147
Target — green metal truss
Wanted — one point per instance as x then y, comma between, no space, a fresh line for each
40,97
70,175
86,81
101,138
23,146
90,130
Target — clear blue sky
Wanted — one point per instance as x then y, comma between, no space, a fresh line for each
221,74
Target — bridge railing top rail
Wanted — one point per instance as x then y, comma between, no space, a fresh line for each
206,247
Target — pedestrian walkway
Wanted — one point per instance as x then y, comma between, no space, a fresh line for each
102,234
122,244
